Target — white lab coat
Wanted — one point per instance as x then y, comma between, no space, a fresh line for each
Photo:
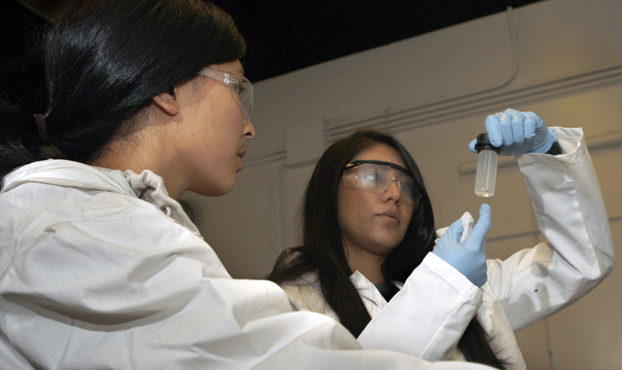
100,269
431,311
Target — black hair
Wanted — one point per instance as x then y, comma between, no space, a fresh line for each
105,60
322,248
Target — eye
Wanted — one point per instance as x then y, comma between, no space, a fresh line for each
406,183
373,177
406,187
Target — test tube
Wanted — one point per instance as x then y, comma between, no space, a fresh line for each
486,174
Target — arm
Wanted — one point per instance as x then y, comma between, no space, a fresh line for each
428,328
570,211
406,323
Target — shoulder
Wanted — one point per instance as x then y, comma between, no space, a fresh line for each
65,200
305,294
308,282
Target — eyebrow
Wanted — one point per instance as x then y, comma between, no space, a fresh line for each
364,161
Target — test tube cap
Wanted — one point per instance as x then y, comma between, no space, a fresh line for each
483,143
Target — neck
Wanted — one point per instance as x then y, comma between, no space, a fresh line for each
146,149
368,264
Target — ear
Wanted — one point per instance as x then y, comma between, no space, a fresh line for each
166,101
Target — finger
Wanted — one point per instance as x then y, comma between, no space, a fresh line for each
505,127
531,123
483,223
539,125
493,130
485,211
455,230
518,131
472,146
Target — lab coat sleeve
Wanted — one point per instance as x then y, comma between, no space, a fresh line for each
131,289
428,316
570,211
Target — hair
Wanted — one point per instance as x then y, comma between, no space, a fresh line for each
105,60
322,249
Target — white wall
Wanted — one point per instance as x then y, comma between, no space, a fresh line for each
563,60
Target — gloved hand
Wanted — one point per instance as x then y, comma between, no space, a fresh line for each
467,257
518,132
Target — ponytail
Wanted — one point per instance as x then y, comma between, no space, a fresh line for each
23,139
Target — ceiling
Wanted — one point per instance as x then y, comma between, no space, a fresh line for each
282,35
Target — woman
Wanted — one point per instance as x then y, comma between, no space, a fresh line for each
368,231
99,265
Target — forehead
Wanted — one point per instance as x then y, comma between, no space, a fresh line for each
381,152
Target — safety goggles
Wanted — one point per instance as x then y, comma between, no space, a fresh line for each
243,89
377,176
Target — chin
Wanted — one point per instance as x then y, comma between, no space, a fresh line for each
388,245
213,191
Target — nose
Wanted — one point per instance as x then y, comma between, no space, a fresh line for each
249,130
393,192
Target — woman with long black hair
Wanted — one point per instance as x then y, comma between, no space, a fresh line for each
369,239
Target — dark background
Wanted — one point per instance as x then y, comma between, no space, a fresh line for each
282,36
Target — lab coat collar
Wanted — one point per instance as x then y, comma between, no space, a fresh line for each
146,186
69,174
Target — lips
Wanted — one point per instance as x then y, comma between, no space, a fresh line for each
389,214
241,154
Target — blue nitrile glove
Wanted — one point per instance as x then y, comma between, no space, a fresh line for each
469,257
518,132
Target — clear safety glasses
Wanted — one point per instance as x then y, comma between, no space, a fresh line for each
243,89
377,176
